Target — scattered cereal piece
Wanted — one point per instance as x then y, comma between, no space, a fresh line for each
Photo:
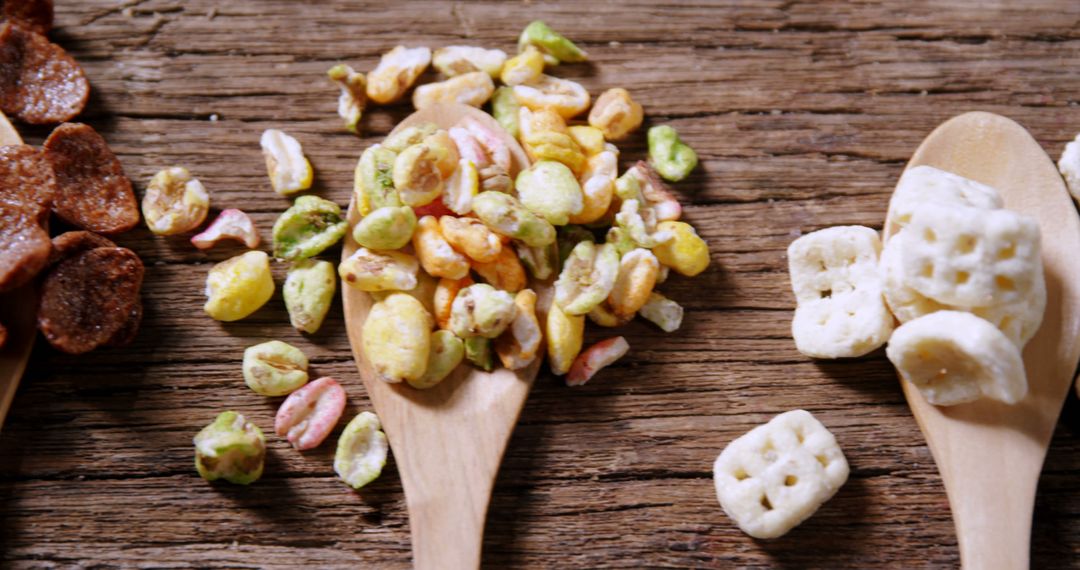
288,168
371,271
398,69
473,89
42,84
230,224
662,312
308,291
175,202
361,451
274,368
397,338
25,245
1069,166
308,227
669,155
26,180
34,15
353,96
309,414
230,448
595,358
459,60
238,286
539,34
617,115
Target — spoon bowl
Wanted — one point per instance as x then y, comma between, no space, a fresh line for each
17,313
990,454
448,440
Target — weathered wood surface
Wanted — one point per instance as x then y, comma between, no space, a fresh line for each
803,115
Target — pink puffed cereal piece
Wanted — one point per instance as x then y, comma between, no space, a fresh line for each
230,224
309,414
593,359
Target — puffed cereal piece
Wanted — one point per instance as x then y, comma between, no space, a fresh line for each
669,155
473,89
954,357
525,67
459,60
175,202
481,310
565,335
504,107
443,299
597,187
386,228
844,325
361,451
308,227
590,139
398,69
373,180
288,168
616,114
1069,166
587,278
308,291
542,262
662,312
397,338
505,215
462,186
353,96
552,43
238,286
309,414
371,271
447,351
274,368
549,189
567,98
471,237
479,352
635,281
444,151
604,316
230,224
778,474
417,176
636,226
434,252
518,346
831,261
971,257
230,448
928,185
402,139
595,358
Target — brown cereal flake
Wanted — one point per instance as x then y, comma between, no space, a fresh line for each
26,179
34,15
24,246
93,192
90,299
68,244
39,82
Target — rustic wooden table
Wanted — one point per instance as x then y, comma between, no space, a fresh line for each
803,115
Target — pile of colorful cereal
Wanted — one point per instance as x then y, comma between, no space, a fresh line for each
475,225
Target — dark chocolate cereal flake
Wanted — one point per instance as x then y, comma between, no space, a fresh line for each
39,82
26,179
35,15
24,246
68,244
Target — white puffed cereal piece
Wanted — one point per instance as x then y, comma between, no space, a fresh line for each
459,60
777,475
398,69
288,168
1019,320
928,185
954,357
1069,165
971,257
842,326
473,89
833,261
565,97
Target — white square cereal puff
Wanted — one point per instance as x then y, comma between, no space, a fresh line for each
776,475
928,185
954,357
843,326
1069,166
832,261
970,257
1019,320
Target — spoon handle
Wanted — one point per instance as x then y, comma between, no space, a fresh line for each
446,515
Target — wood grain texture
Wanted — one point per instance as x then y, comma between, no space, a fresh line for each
803,115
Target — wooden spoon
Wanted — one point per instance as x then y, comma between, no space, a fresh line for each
990,454
448,441
17,313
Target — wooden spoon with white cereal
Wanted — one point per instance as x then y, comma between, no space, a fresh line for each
990,454
17,313
448,440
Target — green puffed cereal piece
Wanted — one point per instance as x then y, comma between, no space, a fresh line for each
386,228
551,190
409,136
671,157
628,187
309,290
447,351
549,41
479,351
311,225
542,262
274,368
620,238
230,448
505,215
361,451
373,181
587,277
570,236
481,310
505,109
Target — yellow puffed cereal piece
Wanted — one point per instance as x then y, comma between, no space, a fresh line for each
565,335
590,139
473,89
565,97
237,287
397,338
398,69
686,252
616,114
434,252
525,67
